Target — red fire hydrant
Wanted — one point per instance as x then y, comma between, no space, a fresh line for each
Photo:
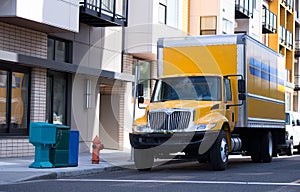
97,146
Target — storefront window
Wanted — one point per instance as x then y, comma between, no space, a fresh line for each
14,101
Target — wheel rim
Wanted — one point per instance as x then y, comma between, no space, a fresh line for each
224,150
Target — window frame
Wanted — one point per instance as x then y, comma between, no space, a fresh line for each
227,90
162,5
210,31
8,129
67,100
68,49
147,90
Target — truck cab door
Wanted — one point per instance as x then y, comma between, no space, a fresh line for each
228,100
296,129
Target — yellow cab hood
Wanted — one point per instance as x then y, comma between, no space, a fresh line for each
182,104
204,111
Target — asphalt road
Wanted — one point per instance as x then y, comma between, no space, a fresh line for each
283,175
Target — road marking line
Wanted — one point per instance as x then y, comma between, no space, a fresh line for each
180,182
297,181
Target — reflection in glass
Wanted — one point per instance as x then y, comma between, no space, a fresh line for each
60,51
3,97
50,49
56,98
188,88
59,102
19,100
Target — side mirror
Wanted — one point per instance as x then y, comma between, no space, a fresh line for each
140,90
293,123
297,122
241,86
141,100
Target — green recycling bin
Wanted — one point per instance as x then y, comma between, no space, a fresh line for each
59,153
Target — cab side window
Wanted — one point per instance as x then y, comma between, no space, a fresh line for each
228,94
297,119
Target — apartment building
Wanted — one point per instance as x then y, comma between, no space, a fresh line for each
271,22
296,98
149,20
61,62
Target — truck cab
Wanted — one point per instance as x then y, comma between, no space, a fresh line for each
186,114
293,131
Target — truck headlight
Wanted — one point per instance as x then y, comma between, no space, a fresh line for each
203,127
142,128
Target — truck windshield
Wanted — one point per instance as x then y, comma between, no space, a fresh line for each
188,88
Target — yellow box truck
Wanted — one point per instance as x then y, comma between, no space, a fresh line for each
214,96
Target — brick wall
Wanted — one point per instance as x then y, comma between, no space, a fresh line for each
23,41
15,147
33,43
38,95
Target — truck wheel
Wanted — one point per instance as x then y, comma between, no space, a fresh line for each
290,151
255,151
267,147
143,159
218,153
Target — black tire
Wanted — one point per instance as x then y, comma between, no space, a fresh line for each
256,150
218,153
143,159
267,147
290,151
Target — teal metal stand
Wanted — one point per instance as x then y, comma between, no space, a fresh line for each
42,157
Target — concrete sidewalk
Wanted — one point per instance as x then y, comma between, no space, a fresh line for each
17,169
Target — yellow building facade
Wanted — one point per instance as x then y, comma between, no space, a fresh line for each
283,42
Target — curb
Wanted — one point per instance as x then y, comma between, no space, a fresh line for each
85,172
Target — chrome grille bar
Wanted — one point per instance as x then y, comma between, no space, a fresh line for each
169,120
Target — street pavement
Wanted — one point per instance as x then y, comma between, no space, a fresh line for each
17,169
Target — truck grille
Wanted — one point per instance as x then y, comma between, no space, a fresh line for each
169,120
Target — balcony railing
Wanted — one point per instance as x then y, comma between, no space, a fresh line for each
269,21
243,9
297,48
286,37
104,13
288,3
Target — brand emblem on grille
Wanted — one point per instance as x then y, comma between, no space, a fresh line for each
169,111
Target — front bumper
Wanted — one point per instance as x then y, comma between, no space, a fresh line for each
176,142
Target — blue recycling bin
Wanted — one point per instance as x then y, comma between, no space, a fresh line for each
43,136
55,145
73,148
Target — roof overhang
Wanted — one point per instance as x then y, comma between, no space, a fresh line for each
29,61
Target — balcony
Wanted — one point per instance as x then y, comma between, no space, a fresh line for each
243,9
289,4
286,37
297,48
269,20
44,15
104,13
